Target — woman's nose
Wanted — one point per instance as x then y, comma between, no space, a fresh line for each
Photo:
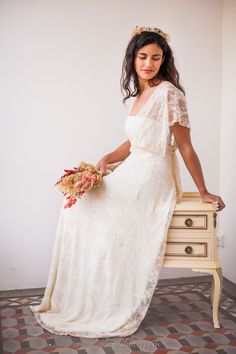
148,62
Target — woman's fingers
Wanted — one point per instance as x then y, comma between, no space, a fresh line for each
214,199
102,168
220,204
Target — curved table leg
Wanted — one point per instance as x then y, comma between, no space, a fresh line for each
216,293
216,289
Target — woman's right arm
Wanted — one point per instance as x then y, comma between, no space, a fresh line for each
117,155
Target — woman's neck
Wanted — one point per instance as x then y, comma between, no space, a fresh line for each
145,86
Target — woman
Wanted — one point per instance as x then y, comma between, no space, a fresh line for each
109,246
149,61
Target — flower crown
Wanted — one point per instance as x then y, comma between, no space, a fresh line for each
137,30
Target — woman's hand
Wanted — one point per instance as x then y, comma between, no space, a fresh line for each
215,199
102,165
117,155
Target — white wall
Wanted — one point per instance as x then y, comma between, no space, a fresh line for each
228,140
60,67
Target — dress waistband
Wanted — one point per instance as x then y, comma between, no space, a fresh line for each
169,149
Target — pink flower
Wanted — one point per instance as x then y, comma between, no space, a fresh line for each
78,184
71,202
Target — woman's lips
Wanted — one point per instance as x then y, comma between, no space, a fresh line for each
147,71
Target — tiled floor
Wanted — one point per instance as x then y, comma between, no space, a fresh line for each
179,320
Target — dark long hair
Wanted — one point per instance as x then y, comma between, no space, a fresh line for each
167,70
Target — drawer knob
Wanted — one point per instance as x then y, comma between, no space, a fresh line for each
188,250
189,222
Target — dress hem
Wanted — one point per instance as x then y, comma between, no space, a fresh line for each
139,314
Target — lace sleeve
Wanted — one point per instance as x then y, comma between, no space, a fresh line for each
177,108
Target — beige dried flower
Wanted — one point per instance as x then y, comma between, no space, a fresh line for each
137,30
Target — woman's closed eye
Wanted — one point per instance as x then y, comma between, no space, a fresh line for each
144,57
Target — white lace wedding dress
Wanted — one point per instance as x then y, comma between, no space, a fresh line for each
109,246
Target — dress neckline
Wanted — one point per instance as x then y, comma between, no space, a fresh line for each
145,103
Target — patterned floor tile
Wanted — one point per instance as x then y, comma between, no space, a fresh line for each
179,320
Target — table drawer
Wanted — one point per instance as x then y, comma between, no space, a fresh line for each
189,221
187,249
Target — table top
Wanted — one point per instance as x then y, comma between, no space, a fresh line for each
191,201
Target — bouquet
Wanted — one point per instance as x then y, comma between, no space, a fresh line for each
74,183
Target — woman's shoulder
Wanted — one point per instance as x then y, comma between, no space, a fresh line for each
170,93
169,87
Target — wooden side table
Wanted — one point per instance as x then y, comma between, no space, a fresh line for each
191,242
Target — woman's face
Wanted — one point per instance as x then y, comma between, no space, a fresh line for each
148,61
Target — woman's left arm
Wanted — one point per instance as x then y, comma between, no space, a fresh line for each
191,160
